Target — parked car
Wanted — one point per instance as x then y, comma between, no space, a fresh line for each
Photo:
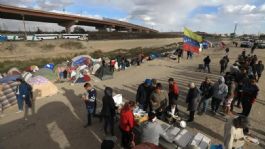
246,44
261,45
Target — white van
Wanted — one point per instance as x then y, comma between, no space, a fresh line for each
73,36
33,38
47,36
15,37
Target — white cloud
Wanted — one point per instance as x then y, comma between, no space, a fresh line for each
172,15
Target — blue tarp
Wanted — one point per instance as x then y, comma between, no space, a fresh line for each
9,79
3,38
49,66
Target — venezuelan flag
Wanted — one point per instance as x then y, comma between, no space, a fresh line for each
191,41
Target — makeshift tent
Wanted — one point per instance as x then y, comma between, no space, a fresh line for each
49,66
154,55
7,95
32,68
95,68
42,87
82,60
47,73
104,73
14,71
26,76
9,78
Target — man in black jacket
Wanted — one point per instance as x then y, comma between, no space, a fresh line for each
108,110
207,62
192,100
143,94
206,89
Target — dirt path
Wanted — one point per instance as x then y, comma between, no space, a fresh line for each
58,121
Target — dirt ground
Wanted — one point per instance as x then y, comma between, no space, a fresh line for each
58,120
30,50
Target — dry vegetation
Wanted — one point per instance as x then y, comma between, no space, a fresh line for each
47,47
72,45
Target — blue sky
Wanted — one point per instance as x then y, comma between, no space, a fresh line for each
214,16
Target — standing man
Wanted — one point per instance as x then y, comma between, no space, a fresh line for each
143,94
250,93
90,101
192,100
220,91
222,65
159,100
180,53
259,69
206,89
173,93
207,62
24,93
108,111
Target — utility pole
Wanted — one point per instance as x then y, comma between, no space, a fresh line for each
235,29
25,32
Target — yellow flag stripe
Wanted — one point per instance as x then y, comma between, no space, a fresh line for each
192,35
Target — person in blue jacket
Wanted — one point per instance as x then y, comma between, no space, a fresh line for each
24,93
90,101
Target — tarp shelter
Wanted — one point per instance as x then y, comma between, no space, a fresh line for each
104,73
9,78
8,94
26,76
42,87
13,71
154,55
49,66
47,73
95,68
82,60
32,68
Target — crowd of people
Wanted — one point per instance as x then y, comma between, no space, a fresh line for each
238,86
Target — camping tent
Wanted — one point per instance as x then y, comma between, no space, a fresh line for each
9,78
8,94
104,73
42,87
47,73
82,60
14,71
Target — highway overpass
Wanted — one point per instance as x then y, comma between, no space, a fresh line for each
67,20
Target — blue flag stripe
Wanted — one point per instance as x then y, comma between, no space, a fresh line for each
191,41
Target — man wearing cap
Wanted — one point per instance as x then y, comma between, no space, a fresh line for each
151,130
143,94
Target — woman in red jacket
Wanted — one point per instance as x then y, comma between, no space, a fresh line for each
127,124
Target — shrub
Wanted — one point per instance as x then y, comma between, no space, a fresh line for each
48,47
32,44
72,45
10,47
